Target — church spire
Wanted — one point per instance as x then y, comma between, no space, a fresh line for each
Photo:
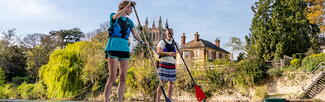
146,23
166,22
160,22
153,24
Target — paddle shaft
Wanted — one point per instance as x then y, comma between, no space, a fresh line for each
182,57
148,47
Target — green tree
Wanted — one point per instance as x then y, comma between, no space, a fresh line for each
2,77
281,28
36,54
67,36
12,57
77,70
236,45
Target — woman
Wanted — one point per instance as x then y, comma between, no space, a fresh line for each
117,47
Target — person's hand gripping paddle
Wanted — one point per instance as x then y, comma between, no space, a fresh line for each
198,91
150,48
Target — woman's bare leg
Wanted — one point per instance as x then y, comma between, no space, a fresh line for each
123,70
111,79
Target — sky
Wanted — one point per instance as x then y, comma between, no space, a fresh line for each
211,18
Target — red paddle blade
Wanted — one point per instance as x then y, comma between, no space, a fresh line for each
199,93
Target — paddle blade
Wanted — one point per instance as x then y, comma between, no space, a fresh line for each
199,93
168,100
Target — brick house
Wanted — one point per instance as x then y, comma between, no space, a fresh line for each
200,50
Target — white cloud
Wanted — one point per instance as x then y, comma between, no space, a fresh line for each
28,9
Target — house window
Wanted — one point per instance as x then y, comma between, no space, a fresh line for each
210,54
213,55
220,56
196,54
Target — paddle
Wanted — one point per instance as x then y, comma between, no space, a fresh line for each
198,91
149,47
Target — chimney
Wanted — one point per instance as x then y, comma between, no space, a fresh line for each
197,36
183,39
217,42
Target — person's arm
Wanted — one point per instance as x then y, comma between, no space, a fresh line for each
123,11
161,52
136,34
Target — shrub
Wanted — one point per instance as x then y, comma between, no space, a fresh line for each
62,73
249,72
141,79
8,91
31,91
275,72
295,62
25,90
309,63
260,93
2,77
19,80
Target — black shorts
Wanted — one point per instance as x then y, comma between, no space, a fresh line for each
121,55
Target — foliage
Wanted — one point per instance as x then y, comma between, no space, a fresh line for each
295,62
309,63
275,72
31,91
2,77
13,61
222,62
236,45
8,91
80,71
95,70
315,13
67,36
260,93
23,91
37,53
249,72
19,80
240,57
62,73
278,28
142,77
36,57
12,58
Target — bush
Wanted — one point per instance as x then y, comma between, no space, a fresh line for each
25,90
309,63
31,91
298,56
249,72
275,72
2,77
19,80
295,62
8,91
62,73
142,78
222,62
260,93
